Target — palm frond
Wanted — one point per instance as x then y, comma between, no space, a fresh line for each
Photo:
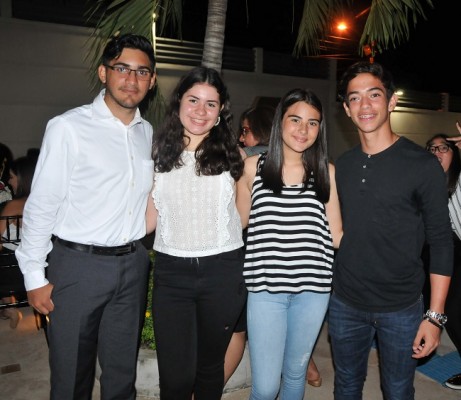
388,23
314,24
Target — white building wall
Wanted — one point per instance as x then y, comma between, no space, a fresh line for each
44,73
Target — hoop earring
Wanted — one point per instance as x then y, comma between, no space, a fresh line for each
218,121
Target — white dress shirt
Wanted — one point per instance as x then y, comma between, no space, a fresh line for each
90,186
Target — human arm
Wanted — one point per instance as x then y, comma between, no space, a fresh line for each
438,233
151,214
40,299
456,139
49,188
333,210
244,187
428,337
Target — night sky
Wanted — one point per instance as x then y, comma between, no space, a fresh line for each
427,62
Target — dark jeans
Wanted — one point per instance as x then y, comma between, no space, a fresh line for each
196,304
352,331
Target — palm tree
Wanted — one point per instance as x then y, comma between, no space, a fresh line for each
387,25
214,35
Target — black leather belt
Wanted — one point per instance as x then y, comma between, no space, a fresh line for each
100,250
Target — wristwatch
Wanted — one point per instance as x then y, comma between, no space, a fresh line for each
440,318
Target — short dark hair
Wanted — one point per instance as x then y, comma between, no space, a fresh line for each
115,46
375,69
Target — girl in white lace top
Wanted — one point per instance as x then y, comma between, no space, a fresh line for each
198,291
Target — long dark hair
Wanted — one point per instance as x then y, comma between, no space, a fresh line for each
218,152
23,168
315,158
455,166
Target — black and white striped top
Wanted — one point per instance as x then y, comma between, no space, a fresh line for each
289,246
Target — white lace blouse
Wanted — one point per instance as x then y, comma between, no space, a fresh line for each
197,214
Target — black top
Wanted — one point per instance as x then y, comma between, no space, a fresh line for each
390,203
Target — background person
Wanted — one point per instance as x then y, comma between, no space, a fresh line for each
199,291
288,199
447,152
6,157
393,196
90,191
255,129
20,179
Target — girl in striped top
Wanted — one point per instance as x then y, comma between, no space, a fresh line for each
287,198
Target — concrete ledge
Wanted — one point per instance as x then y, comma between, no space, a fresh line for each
147,381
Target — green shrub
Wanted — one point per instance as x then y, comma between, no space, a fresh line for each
147,334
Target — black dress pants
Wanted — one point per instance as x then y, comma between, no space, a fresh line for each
99,310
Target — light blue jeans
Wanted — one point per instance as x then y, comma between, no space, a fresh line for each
282,331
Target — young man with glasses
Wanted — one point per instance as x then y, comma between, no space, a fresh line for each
90,191
393,197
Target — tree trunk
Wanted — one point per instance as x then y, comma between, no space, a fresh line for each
214,35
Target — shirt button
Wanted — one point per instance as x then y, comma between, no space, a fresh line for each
363,180
364,166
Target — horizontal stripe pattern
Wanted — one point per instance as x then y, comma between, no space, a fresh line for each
289,244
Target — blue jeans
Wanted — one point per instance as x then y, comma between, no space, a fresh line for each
351,333
282,331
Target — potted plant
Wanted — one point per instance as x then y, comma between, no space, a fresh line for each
147,334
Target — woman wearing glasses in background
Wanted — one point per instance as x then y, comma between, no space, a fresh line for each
447,152
255,129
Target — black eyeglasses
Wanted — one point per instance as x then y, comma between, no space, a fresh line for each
141,74
441,148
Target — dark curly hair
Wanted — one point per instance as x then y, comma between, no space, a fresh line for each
218,152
